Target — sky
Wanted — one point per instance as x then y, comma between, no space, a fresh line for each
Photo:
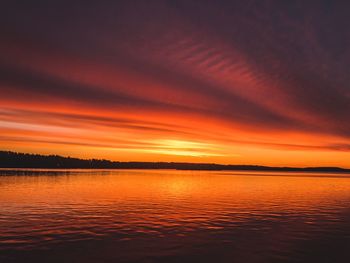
240,82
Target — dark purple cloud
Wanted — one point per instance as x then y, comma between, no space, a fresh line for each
279,65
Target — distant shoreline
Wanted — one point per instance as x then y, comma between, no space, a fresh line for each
14,160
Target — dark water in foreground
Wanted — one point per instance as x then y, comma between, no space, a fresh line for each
173,216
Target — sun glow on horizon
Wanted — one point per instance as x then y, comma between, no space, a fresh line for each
184,148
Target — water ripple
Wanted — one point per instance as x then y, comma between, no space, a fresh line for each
173,216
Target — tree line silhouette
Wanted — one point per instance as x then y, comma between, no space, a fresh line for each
10,159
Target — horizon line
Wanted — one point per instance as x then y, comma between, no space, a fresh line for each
99,163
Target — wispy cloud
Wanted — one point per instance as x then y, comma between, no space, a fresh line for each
241,79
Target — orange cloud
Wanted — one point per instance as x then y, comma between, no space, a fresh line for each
160,86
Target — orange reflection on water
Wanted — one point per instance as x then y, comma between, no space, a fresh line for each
177,190
125,213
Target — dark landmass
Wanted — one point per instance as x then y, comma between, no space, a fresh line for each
23,160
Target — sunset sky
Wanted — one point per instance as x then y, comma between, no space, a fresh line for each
241,82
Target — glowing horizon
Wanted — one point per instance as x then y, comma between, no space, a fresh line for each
163,82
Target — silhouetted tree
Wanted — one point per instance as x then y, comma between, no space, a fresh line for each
24,160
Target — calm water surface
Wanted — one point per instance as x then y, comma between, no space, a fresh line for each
173,216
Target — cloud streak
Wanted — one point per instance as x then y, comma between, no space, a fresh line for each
243,80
